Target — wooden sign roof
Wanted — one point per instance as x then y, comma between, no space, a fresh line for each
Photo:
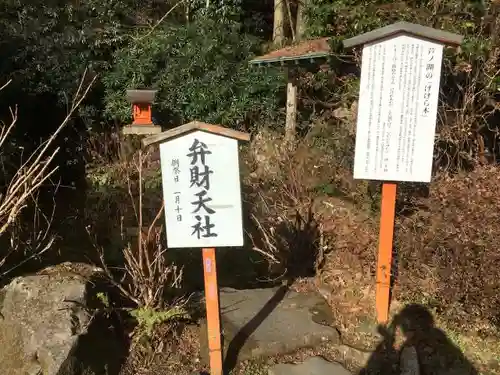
193,126
404,28
141,96
308,49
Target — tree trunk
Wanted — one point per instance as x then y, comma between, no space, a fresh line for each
290,19
291,109
279,22
301,19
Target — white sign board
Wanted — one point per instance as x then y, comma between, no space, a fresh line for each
397,108
201,191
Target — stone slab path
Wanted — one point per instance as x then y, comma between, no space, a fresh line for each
268,322
311,366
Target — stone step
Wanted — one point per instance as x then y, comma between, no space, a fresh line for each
312,366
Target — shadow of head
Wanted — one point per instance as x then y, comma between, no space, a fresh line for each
436,352
414,319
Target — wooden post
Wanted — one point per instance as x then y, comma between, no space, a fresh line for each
291,108
212,307
385,251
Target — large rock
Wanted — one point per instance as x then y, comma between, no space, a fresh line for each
312,366
44,326
267,322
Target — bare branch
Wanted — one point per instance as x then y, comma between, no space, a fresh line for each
22,188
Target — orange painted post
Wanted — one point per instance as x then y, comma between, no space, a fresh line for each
385,251
212,307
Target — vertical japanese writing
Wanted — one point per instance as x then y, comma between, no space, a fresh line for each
412,110
388,133
371,79
379,132
402,84
412,134
429,74
410,106
200,178
176,171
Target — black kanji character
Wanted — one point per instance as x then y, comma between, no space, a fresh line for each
198,149
206,229
201,178
200,203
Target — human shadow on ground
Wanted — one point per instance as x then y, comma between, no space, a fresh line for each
428,347
301,239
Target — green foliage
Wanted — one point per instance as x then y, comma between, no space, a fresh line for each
201,71
148,319
347,18
343,18
103,298
59,40
225,11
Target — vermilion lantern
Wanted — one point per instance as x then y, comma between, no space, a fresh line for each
142,101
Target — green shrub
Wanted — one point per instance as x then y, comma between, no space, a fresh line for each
201,71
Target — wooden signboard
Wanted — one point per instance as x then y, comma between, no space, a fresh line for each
202,195
201,190
398,100
395,130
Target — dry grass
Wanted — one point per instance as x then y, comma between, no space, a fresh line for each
448,249
179,354
146,274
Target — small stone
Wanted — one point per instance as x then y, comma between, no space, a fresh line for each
312,366
409,361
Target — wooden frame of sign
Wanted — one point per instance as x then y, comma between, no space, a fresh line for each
202,195
396,122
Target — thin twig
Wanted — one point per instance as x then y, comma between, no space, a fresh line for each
290,19
161,20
